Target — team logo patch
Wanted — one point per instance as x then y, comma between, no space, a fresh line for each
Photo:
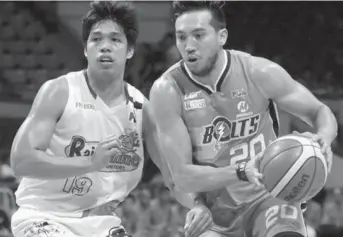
192,95
125,159
243,109
84,106
243,106
195,104
222,130
238,93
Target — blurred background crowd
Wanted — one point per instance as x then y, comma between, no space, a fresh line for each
41,40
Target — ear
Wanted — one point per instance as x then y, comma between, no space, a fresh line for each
223,34
130,52
85,52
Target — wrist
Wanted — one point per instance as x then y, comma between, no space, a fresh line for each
240,171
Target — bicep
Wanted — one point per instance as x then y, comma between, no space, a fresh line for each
291,96
173,134
37,129
299,101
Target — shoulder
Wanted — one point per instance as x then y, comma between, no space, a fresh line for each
166,84
51,97
57,86
54,90
238,53
270,77
260,65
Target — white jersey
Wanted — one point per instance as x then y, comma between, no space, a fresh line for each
87,120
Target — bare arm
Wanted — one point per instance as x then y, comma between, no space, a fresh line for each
152,141
275,83
176,144
28,154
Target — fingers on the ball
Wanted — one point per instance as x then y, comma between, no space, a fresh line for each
197,227
193,226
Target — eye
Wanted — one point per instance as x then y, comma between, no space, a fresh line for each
199,36
181,37
96,39
116,40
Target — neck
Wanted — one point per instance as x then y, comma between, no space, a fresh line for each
108,87
213,75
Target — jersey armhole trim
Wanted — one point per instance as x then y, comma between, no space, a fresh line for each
62,116
272,108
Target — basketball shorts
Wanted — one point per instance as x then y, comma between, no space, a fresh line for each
265,217
33,223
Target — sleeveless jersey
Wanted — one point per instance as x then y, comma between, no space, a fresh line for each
87,120
227,125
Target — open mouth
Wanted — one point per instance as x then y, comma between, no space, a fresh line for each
192,60
105,60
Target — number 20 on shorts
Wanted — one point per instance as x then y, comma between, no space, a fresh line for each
277,212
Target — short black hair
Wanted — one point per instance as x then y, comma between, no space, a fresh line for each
121,12
215,7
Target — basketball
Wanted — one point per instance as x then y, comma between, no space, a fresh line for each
294,168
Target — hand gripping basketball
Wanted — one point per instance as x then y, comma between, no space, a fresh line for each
324,145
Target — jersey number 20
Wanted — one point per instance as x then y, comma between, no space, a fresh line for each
246,150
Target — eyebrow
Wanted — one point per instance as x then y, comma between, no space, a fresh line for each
193,31
101,33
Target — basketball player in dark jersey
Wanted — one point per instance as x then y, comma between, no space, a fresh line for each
216,112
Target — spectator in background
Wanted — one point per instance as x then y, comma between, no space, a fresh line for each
332,214
127,212
313,217
161,214
142,214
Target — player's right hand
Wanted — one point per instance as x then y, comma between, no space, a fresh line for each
105,150
198,220
252,171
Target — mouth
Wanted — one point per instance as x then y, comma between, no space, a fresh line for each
192,59
105,59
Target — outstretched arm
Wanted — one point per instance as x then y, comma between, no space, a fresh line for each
276,84
198,219
293,97
176,144
152,140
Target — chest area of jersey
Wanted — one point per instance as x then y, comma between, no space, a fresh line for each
224,116
92,126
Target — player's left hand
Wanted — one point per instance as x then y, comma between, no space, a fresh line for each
198,220
324,143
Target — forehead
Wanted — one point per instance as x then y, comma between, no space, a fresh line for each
189,21
106,27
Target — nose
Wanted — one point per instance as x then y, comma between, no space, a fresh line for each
190,45
105,46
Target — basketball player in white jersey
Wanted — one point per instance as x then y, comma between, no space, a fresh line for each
216,113
80,150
